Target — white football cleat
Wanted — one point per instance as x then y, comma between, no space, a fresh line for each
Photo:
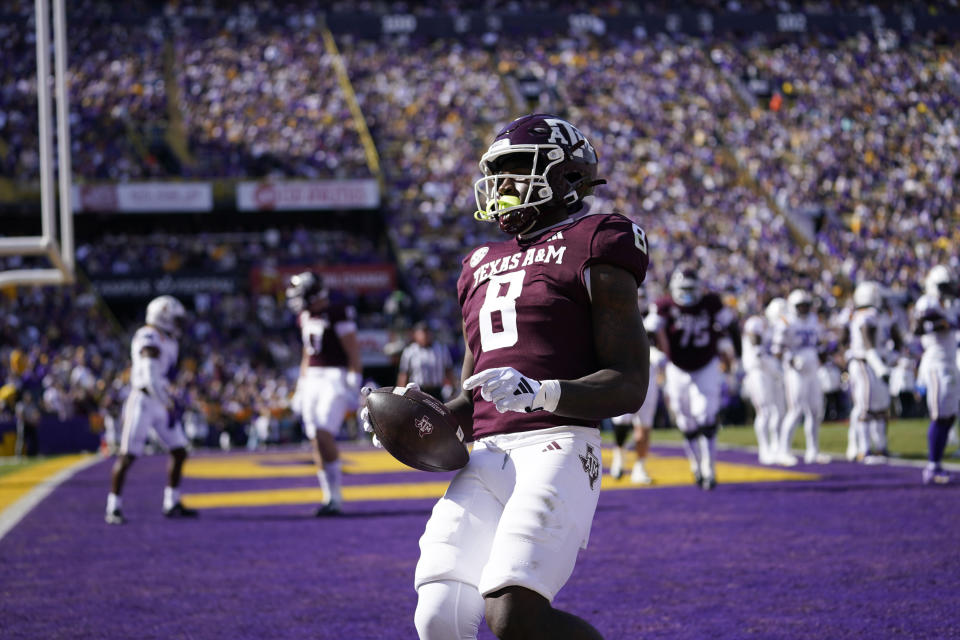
812,457
786,459
851,452
639,475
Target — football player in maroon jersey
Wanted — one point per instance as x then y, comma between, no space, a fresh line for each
330,376
554,343
696,330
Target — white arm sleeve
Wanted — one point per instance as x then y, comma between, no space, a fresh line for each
154,380
876,363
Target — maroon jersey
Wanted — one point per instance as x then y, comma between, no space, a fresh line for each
525,305
693,332
320,338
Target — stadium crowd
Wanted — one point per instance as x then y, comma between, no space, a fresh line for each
240,355
263,100
857,140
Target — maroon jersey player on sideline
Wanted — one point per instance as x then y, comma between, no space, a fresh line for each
695,330
555,343
330,376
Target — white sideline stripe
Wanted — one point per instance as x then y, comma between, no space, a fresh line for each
16,512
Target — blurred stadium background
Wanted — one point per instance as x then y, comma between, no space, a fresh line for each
217,147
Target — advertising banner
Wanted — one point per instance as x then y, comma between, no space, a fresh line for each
308,195
356,278
372,343
149,285
144,197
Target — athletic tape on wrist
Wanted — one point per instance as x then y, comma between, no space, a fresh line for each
548,397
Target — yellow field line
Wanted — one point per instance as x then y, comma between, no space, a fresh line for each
17,484
666,471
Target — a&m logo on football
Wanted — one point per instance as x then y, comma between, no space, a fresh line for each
424,426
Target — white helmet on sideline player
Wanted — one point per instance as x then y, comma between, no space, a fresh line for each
868,294
940,282
775,310
799,298
167,314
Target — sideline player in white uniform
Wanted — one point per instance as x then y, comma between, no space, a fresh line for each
150,406
797,343
330,377
695,330
935,321
868,374
642,420
763,382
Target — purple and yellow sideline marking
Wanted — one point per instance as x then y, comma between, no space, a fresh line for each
22,490
16,484
667,471
288,465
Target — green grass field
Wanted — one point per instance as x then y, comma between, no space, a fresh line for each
907,438
11,464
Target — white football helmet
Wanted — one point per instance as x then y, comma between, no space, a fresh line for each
775,310
940,282
868,294
167,314
798,298
685,287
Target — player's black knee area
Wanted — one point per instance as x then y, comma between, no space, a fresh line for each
124,461
620,433
710,431
516,613
179,454
945,423
691,435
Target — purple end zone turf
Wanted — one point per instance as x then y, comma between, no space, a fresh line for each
865,552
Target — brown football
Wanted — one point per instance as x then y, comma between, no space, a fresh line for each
417,429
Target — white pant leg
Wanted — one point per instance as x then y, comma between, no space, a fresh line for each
706,393
677,383
878,434
324,400
141,414
448,610
942,380
813,413
694,396
760,391
792,388
517,514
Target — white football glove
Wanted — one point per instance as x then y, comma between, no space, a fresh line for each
510,390
354,380
364,414
365,423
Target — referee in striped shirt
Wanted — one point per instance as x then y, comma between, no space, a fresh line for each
427,363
